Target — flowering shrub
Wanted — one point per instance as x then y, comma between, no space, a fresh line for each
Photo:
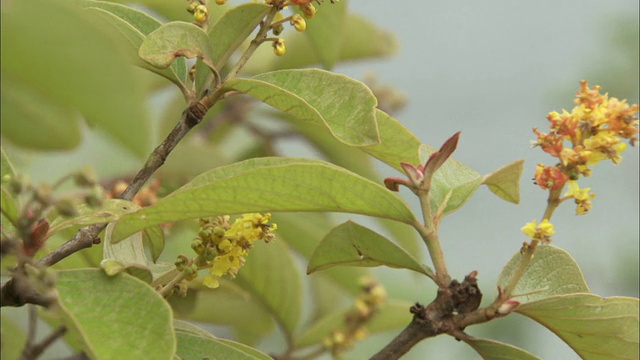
126,267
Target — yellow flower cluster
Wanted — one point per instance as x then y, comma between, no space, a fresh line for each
594,129
364,308
540,232
222,246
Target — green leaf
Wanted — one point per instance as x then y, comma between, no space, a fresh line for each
113,312
197,347
62,56
303,232
153,238
322,29
181,326
111,210
361,39
226,35
393,314
270,185
226,305
57,125
349,114
505,182
596,328
186,345
175,39
397,143
552,271
356,245
495,350
127,255
453,184
134,26
273,278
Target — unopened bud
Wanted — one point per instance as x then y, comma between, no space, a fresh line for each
19,183
201,13
44,194
298,22
198,246
66,207
85,177
308,10
279,48
508,307
278,29
181,262
96,197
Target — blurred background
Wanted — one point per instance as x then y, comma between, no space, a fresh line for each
493,70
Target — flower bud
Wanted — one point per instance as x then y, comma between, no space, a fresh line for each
278,29
19,183
308,10
96,197
198,246
279,48
181,262
191,8
66,207
44,194
85,177
298,22
508,307
201,13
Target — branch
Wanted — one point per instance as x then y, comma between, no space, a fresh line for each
454,308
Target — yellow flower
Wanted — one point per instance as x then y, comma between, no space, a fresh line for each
581,196
540,232
211,281
546,228
530,229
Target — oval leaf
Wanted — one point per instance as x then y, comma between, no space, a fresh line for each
134,26
505,182
173,40
112,313
63,53
270,185
495,350
594,327
198,347
273,278
58,125
356,245
344,105
233,307
552,271
232,29
127,255
330,20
